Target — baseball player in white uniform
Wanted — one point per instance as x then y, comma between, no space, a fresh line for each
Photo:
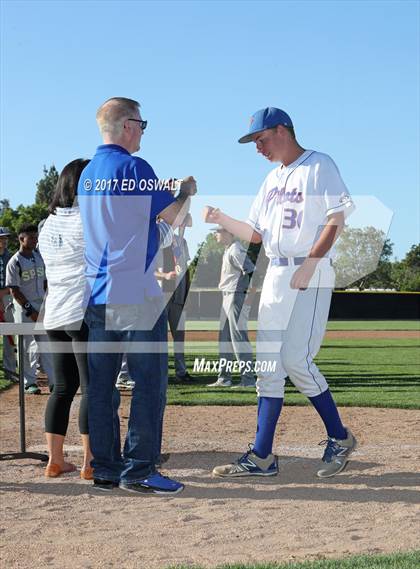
297,214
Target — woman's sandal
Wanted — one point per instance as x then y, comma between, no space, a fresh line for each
86,473
54,470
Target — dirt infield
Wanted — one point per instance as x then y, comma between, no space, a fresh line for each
212,335
372,507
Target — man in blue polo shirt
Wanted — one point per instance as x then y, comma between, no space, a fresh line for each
120,199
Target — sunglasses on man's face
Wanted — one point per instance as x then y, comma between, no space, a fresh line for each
143,124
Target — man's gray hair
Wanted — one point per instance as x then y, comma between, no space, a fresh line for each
112,114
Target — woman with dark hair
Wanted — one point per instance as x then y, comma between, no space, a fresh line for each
62,247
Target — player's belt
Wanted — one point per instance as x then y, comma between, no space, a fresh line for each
287,261
291,261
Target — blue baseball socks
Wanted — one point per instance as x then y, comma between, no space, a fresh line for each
269,409
328,412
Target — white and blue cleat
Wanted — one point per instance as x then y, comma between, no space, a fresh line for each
336,455
249,465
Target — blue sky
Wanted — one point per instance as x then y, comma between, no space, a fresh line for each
346,72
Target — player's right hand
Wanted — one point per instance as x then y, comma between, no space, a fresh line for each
302,276
211,214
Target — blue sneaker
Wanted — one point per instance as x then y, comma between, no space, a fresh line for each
336,455
249,465
154,484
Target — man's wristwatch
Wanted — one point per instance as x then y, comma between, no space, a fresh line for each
28,308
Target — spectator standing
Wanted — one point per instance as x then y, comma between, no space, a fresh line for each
233,329
62,247
174,277
6,313
25,276
124,381
119,201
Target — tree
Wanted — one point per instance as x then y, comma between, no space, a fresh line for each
4,205
46,186
406,273
412,259
363,259
13,219
206,265
381,277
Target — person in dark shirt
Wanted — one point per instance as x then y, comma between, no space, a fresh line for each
6,313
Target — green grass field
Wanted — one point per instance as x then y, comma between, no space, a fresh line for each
374,325
360,372
396,561
365,372
332,325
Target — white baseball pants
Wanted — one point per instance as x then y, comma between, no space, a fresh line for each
291,326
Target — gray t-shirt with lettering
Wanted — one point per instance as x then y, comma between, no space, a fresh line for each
28,274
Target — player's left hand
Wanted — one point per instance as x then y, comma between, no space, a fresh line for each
34,316
303,275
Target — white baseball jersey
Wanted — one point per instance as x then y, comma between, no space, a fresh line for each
289,213
294,202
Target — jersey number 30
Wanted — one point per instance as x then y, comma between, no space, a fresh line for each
291,218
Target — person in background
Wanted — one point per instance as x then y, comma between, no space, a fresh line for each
235,275
25,276
124,381
62,247
6,313
172,273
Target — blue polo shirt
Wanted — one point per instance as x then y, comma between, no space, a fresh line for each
119,198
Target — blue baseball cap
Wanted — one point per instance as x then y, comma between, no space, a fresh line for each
264,119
